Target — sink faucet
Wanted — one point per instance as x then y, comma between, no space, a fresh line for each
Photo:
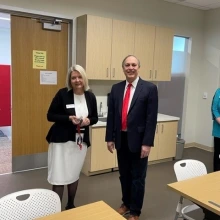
100,110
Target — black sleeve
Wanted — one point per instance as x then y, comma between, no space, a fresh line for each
56,112
110,136
94,113
151,119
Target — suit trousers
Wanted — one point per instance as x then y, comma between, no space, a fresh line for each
216,158
132,170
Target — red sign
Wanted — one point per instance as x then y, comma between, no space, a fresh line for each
5,96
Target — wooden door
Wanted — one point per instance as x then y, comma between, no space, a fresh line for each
144,49
167,140
30,100
154,150
122,45
163,54
101,158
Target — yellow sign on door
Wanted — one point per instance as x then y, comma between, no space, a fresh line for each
39,59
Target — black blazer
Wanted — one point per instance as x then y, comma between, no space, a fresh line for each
64,130
141,119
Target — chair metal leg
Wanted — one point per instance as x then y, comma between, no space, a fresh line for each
176,216
178,208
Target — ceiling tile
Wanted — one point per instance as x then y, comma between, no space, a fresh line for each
202,2
216,5
199,4
173,1
192,5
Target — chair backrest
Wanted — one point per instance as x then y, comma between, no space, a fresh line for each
40,202
186,169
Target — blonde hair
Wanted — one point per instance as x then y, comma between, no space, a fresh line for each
82,72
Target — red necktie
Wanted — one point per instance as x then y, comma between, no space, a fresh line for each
125,107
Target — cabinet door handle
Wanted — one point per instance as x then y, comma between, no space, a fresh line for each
150,73
162,129
157,129
107,73
155,74
113,72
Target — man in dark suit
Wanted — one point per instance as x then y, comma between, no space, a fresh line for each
131,124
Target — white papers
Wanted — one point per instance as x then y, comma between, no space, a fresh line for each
48,77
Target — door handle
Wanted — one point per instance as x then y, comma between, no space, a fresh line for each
113,73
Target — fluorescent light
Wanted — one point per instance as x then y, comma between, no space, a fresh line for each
6,19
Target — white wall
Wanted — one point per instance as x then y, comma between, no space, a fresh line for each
185,21
5,40
5,46
209,78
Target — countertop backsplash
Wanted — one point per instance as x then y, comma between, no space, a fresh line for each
101,88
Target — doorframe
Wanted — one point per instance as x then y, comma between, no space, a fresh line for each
31,13
39,160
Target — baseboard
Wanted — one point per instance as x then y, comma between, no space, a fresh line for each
159,161
29,162
89,173
200,146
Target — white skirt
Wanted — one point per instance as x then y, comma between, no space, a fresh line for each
65,161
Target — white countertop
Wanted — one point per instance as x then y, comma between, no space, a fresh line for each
160,118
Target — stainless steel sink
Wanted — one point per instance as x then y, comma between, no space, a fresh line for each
103,119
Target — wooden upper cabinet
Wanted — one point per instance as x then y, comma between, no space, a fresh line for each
93,45
144,49
102,44
163,54
122,45
153,46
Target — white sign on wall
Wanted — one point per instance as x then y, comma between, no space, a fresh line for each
48,77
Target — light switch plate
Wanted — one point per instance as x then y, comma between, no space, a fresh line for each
205,95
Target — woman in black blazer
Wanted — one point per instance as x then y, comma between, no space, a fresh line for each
73,110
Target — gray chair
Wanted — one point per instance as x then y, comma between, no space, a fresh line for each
186,169
29,204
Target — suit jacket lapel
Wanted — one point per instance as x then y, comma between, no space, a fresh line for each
136,94
121,96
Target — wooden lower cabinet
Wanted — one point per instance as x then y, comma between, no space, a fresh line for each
154,150
165,141
100,160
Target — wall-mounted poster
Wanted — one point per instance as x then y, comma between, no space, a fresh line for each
39,59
